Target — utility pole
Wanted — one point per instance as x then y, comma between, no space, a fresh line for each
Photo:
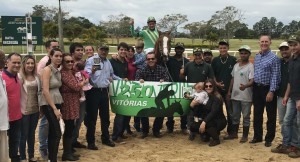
60,28
28,21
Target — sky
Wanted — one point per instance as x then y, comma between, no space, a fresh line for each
196,10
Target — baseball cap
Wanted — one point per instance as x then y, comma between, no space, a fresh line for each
151,18
245,47
103,46
283,44
179,45
223,42
294,38
207,51
197,51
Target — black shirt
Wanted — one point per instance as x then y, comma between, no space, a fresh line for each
120,68
174,65
284,77
294,77
198,72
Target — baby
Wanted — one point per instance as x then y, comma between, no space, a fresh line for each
200,96
81,74
139,56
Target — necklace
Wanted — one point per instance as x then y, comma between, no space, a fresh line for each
223,62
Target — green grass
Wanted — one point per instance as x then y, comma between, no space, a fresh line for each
234,45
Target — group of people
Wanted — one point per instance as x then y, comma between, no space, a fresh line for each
64,86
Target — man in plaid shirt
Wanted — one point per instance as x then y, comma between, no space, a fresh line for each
266,81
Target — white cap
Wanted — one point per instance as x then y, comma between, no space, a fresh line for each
283,44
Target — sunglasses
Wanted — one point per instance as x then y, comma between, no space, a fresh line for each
150,59
208,86
69,61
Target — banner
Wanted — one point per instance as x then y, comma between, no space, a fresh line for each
149,99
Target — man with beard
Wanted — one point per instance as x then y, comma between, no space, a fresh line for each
207,56
240,91
174,64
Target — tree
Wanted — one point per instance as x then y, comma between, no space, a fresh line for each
50,30
229,19
196,29
94,35
116,26
171,22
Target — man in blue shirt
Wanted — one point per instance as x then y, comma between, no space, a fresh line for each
101,75
266,81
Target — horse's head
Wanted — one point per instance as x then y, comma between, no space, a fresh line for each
163,46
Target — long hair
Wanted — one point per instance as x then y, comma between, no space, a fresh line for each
23,65
51,54
215,91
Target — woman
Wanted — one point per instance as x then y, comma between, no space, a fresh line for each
30,86
213,117
70,91
51,100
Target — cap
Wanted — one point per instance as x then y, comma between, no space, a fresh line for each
294,38
103,46
207,51
283,44
179,45
151,18
197,51
223,42
245,47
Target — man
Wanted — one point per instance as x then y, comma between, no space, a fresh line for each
89,51
174,65
13,88
293,104
150,35
97,98
76,50
120,67
44,127
240,91
4,121
152,72
266,81
207,56
222,67
196,71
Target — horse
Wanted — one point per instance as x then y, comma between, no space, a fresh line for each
162,47
175,107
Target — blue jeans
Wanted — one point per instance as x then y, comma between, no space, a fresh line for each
281,110
28,126
290,128
43,134
238,108
118,126
79,121
14,134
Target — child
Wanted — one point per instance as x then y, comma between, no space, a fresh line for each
81,74
139,56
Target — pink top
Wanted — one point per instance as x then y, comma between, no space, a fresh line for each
13,89
42,64
131,69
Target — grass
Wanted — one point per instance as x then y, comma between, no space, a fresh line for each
234,45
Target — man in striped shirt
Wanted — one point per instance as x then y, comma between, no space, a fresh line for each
266,81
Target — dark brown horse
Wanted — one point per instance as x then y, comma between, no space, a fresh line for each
162,47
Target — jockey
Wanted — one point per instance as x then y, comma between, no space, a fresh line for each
150,35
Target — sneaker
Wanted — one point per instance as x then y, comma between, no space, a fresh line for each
291,149
295,154
282,149
157,135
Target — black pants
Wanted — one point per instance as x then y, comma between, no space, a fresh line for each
97,99
229,111
214,127
157,125
69,128
259,103
54,132
14,135
183,122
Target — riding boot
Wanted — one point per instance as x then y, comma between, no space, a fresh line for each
215,136
245,134
67,154
234,132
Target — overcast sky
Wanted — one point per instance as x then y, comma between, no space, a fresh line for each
196,10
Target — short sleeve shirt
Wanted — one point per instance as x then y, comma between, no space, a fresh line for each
198,72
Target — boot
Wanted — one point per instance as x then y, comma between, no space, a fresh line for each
15,159
215,136
245,134
234,132
68,155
